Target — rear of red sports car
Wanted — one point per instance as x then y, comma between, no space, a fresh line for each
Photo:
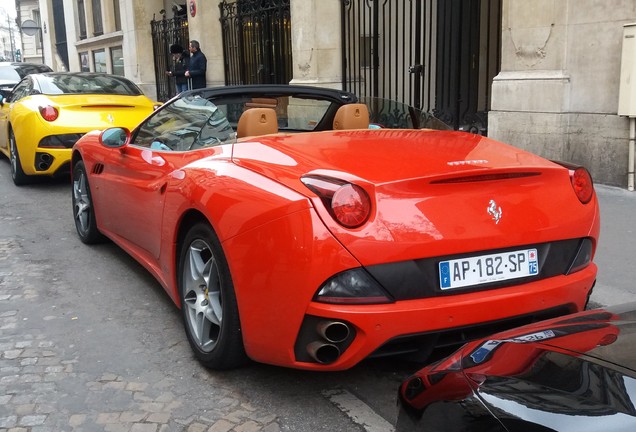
408,240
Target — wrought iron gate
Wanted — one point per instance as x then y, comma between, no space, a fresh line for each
256,41
439,56
166,32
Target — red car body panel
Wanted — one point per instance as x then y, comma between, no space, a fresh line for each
458,376
414,211
252,195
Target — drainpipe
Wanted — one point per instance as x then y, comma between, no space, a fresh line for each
627,93
632,140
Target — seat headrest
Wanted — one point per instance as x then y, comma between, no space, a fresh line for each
351,116
257,121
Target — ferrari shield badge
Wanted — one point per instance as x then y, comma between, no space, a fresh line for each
494,211
110,118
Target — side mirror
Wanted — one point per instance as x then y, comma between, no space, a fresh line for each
1,100
114,137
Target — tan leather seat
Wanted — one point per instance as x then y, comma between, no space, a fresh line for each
351,116
257,121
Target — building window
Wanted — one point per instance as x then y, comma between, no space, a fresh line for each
99,60
38,36
81,16
117,60
98,23
84,66
117,15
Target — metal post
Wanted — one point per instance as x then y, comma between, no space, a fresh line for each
42,45
11,38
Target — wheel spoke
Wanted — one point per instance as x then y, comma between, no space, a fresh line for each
81,214
214,294
205,329
197,266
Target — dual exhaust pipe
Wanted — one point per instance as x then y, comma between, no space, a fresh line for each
43,161
326,351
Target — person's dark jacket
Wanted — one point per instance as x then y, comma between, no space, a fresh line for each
180,66
197,68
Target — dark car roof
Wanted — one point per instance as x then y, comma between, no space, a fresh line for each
55,83
13,72
273,90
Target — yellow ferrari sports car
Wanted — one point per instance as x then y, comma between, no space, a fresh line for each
46,113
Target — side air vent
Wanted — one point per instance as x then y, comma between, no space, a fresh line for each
98,168
486,177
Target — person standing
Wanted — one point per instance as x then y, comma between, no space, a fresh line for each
197,67
181,61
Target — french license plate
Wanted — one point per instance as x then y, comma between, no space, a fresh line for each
485,269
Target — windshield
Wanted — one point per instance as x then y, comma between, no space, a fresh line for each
189,123
86,83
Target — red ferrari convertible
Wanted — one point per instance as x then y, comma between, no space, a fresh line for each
294,227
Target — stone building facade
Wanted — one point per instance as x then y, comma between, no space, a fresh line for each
556,93
558,89
31,46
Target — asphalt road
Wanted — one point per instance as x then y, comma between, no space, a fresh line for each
90,341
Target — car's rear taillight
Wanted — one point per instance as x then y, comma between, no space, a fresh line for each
351,205
581,181
49,113
348,204
582,184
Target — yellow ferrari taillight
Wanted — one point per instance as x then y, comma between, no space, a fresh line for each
49,113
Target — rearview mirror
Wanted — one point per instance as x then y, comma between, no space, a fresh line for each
114,137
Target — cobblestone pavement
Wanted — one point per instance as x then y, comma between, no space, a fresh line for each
52,381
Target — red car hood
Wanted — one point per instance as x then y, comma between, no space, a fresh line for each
427,186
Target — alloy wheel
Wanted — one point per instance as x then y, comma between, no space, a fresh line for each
81,202
202,295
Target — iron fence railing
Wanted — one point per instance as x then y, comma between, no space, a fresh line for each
256,41
439,56
166,32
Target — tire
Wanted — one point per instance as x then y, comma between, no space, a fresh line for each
208,303
17,174
83,210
